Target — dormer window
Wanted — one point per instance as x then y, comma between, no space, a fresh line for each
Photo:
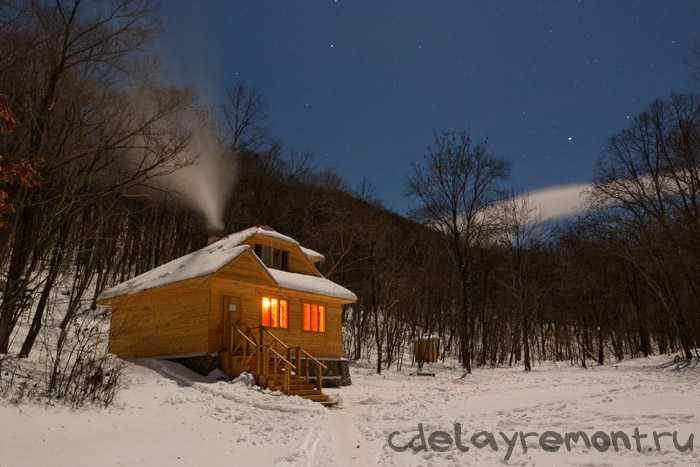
273,257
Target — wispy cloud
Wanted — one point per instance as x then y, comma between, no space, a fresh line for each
561,200
542,205
558,201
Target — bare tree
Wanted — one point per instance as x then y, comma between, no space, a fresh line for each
648,183
245,117
519,234
67,91
454,184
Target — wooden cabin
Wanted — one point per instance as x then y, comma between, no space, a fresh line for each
253,299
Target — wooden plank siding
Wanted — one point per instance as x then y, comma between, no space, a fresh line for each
246,268
187,317
169,320
243,273
327,344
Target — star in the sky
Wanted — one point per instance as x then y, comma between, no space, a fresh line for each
570,138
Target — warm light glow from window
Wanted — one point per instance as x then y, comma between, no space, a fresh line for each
274,313
321,318
275,323
314,317
265,317
307,317
284,316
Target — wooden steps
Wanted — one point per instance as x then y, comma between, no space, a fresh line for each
303,389
304,392
281,370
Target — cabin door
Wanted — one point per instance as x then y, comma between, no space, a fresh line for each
232,316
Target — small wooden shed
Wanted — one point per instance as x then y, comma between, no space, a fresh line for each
426,349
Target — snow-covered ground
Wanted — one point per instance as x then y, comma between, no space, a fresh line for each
168,416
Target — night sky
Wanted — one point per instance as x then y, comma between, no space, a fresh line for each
365,84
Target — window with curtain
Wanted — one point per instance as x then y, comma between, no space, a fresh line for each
314,317
274,313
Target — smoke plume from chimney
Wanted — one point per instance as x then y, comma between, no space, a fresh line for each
206,183
201,176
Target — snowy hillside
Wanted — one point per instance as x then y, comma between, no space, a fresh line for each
169,416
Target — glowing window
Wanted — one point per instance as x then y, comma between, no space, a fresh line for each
284,314
274,313
314,317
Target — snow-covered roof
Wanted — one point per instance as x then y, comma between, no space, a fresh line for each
213,257
244,235
313,255
311,284
196,264
266,231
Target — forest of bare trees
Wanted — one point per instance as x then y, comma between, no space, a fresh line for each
89,125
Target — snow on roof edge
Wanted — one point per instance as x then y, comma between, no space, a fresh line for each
311,284
199,263
312,254
308,252
213,257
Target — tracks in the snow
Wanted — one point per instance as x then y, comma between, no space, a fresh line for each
337,442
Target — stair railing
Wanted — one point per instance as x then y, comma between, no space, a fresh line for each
266,354
248,341
271,354
319,367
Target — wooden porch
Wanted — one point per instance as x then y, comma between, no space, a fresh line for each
274,364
